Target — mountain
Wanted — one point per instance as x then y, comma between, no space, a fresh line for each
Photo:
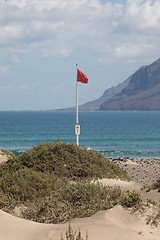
142,92
109,93
95,104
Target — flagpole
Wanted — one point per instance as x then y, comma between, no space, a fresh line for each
81,77
77,135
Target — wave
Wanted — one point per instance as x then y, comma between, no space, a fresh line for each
110,153
130,154
17,152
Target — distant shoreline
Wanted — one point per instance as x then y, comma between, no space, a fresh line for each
17,152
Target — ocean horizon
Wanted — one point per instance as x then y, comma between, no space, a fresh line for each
132,134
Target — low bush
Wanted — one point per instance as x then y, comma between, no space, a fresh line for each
53,183
71,235
69,160
154,186
131,200
71,200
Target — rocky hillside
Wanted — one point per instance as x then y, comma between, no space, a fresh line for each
142,92
95,104
109,93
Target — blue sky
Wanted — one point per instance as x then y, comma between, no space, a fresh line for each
41,42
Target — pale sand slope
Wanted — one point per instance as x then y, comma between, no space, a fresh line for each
114,224
138,187
3,157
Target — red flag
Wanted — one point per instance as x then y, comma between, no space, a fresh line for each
81,77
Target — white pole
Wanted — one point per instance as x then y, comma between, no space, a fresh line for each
77,136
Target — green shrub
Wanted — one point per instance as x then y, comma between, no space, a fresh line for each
71,235
151,201
53,182
131,199
26,184
69,160
156,185
71,200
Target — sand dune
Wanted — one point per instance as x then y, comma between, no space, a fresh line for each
114,224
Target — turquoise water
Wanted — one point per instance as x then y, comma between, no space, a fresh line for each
115,134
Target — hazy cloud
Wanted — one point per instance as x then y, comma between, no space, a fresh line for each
120,31
4,69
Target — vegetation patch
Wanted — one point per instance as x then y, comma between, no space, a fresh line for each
72,235
131,200
69,160
154,186
71,200
53,183
154,218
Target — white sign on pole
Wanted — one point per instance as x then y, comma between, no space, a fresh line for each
77,129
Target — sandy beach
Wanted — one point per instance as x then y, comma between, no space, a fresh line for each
114,224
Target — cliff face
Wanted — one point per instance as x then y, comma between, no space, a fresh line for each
141,93
95,104
109,93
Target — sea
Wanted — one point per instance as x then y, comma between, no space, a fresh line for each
132,134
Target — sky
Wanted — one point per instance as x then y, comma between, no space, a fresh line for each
41,41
